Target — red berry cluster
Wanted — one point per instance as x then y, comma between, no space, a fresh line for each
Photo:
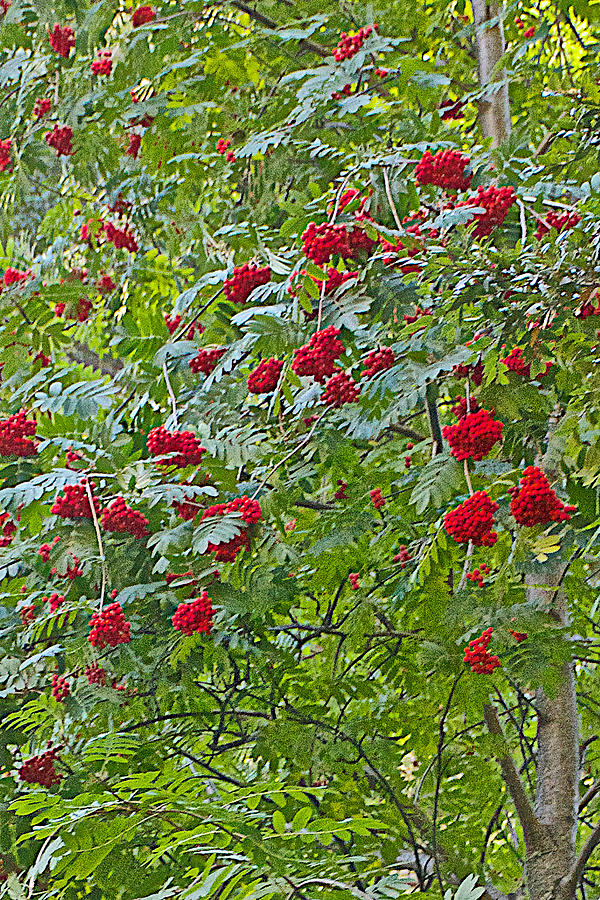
41,107
515,363
46,549
403,556
378,361
346,91
8,529
586,310
477,574
418,314
5,160
14,433
27,613
474,371
109,628
105,284
474,435
183,444
376,499
265,377
341,494
477,656
560,221
133,147
452,109
102,65
142,15
353,579
73,571
60,688
170,577
250,512
206,360
74,503
118,516
445,169
187,510
222,147
196,615
54,601
496,202
122,238
62,39
244,280
519,636
40,769
14,276
346,198
60,139
359,242
534,502
350,44
321,242
340,389
473,520
95,674
317,358
174,323
337,278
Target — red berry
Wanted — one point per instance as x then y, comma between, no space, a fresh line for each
183,447
264,379
535,503
194,616
474,435
62,39
142,15
317,358
473,521
109,628
244,280
477,656
40,769
120,517
60,139
445,169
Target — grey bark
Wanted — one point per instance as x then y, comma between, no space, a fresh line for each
494,108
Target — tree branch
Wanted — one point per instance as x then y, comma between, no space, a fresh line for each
270,23
569,884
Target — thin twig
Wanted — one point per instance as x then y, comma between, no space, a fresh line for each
99,538
171,394
302,444
463,578
388,192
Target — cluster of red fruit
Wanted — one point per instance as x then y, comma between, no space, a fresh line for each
60,139
446,169
95,674
378,361
335,279
403,556
80,312
7,530
529,32
27,613
118,516
353,579
376,499
122,238
477,574
515,363
73,571
321,242
187,510
183,447
496,202
206,360
341,494
473,520
534,502
174,322
102,65
62,39
317,358
14,433
474,435
14,276
142,15
54,601
60,688
340,389
560,221
74,503
474,371
244,280
46,549
477,656
105,284
196,615
109,628
265,377
350,44
222,147
133,145
40,769
5,160
250,512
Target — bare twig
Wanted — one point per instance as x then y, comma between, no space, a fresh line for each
99,539
171,394
388,193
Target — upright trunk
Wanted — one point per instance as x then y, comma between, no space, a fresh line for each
557,763
494,108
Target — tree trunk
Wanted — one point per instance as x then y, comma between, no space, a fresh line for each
557,763
494,108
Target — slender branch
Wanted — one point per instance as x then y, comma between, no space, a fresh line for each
171,394
589,796
270,23
99,539
82,354
434,421
572,880
302,444
388,193
407,432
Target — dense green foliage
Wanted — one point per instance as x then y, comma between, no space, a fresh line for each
325,739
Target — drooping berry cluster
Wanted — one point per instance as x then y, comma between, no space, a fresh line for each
474,371
206,360
174,322
14,276
496,202
27,613
102,65
515,363
133,145
317,358
183,447
353,579
376,499
80,311
7,530
5,158
265,377
349,44
73,571
403,556
62,39
474,435
473,520
187,510
54,601
45,550
244,280
105,284
196,615
95,674
118,516
477,656
109,628
519,636
560,221
14,434
321,242
60,139
122,238
74,502
534,502
142,15
378,361
478,574
446,169
222,146
40,769
341,494
340,389
60,688
250,512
